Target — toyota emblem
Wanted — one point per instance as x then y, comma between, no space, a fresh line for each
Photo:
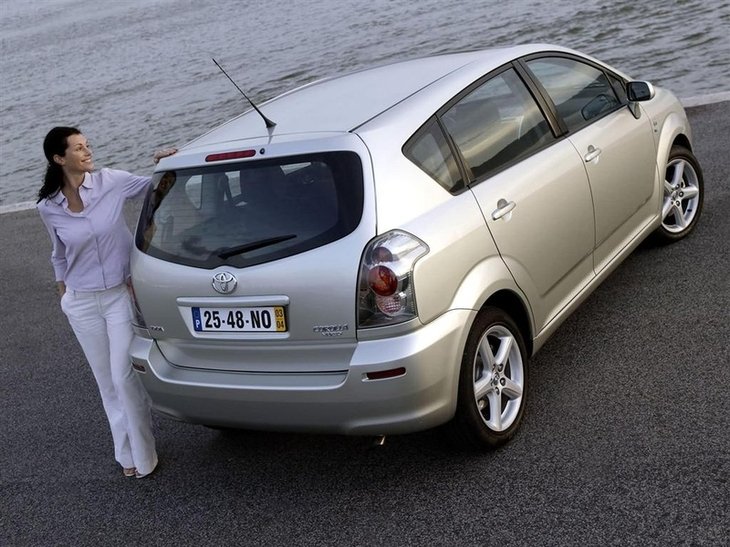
224,282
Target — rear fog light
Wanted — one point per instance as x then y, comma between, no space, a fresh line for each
383,374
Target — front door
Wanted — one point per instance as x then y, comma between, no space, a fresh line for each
617,148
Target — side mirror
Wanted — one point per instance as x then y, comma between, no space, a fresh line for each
639,91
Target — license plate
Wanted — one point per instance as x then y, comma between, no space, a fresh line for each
265,319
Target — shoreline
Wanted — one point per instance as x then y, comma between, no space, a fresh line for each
689,102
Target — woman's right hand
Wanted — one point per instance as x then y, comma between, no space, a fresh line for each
163,154
60,288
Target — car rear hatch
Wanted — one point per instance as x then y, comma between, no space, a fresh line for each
247,256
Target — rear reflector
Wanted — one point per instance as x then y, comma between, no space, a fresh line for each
231,155
382,374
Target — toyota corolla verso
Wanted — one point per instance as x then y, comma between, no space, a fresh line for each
386,255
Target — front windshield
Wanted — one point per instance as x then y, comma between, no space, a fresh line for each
251,212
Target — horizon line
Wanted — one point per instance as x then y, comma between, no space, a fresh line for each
689,102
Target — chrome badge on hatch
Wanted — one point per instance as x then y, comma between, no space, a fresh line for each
331,330
224,282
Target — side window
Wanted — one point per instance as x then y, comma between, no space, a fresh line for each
497,124
429,150
580,92
619,86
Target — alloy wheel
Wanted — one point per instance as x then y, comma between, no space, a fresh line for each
499,378
681,196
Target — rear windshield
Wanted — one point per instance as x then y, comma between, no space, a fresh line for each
247,213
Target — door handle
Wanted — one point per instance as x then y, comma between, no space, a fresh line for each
503,208
592,154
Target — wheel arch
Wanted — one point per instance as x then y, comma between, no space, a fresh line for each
682,140
674,130
511,303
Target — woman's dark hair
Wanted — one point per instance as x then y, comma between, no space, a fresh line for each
55,143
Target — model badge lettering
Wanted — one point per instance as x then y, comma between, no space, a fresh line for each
330,330
224,282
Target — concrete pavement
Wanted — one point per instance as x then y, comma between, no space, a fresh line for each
625,440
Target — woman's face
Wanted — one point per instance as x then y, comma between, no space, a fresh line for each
77,158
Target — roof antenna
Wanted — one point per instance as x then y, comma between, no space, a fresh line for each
267,121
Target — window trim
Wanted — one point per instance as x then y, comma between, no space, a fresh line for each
425,128
540,89
542,105
346,224
539,94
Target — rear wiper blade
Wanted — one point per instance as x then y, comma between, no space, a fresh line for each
246,247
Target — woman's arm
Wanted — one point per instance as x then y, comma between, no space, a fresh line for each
58,255
135,186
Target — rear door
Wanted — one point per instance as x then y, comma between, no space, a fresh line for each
252,266
617,149
532,189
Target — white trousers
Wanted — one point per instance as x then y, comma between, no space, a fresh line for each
101,321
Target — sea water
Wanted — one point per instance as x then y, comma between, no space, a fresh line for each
137,75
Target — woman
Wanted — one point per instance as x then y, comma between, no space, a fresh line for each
83,212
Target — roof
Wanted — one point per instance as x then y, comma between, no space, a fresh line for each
342,103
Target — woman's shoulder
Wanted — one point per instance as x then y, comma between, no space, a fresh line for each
48,204
111,175
108,180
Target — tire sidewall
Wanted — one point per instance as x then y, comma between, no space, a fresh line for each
680,152
468,418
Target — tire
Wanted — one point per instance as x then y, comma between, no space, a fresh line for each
492,383
683,196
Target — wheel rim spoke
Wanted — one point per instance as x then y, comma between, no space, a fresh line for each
678,173
483,386
495,411
667,208
691,192
485,351
505,347
511,389
679,215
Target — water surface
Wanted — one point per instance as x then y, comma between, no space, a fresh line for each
136,75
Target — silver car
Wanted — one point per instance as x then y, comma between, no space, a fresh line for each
382,252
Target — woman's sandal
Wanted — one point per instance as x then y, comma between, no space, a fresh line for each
129,471
143,475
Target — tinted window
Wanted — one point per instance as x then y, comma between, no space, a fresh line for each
248,213
429,150
619,87
580,92
496,124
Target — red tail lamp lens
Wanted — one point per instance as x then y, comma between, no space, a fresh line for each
230,155
382,281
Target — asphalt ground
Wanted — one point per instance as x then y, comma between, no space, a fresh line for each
626,440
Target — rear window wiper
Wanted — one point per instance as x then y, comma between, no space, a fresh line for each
252,246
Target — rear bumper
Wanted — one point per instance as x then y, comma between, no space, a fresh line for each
334,402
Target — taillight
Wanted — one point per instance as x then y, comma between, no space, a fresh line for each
230,155
382,281
137,319
386,292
